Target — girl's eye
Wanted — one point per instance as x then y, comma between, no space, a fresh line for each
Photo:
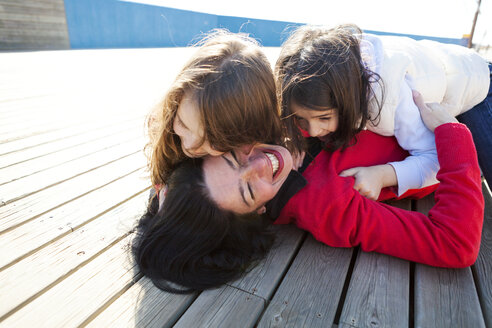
302,123
325,118
180,122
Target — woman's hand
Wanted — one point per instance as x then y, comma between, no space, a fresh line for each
370,180
433,114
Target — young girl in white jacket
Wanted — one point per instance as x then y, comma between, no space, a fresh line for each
336,82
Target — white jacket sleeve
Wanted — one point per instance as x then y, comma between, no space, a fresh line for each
418,170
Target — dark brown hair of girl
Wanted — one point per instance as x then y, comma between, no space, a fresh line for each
232,82
321,69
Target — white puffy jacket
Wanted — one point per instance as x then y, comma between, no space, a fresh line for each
452,75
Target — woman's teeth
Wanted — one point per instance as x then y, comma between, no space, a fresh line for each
273,159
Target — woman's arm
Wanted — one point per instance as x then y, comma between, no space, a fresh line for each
448,237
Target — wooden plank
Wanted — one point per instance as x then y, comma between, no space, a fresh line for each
223,307
39,164
47,9
45,149
265,276
63,220
44,269
445,297
80,296
28,208
378,293
483,267
29,142
309,294
56,123
17,189
143,305
33,17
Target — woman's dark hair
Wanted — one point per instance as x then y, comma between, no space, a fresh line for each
191,244
322,69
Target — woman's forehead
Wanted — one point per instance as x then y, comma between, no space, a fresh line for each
222,182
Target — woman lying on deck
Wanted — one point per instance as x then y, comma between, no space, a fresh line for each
209,229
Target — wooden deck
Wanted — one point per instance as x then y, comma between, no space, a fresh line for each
73,184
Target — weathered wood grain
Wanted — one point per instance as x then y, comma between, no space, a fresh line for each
309,294
48,266
18,36
483,266
31,207
265,276
223,307
445,297
79,297
63,220
378,294
22,156
29,141
143,305
28,185
39,164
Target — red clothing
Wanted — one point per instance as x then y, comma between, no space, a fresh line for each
448,237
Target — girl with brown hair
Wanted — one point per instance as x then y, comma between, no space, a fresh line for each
224,98
334,83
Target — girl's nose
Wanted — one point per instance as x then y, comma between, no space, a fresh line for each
314,130
256,166
246,149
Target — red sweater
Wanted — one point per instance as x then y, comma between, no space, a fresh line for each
339,216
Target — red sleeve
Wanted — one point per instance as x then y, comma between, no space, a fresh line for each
448,237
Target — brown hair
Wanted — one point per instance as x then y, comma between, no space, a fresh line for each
321,69
233,84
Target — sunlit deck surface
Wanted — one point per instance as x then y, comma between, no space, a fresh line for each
73,184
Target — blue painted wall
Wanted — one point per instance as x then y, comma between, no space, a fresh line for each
120,24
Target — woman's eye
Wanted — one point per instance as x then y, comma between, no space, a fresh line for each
251,192
325,118
235,158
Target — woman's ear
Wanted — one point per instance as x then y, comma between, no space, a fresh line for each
261,210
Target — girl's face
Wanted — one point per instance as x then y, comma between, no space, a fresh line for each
318,123
188,126
243,181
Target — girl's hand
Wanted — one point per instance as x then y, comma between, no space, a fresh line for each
370,180
297,160
433,114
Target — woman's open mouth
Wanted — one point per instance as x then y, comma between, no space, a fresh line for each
276,160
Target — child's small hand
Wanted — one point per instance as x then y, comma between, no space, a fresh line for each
370,180
433,114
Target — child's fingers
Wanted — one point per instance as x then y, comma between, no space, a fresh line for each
349,172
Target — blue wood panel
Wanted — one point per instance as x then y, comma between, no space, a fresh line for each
121,24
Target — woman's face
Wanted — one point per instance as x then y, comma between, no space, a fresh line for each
243,181
188,126
317,123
